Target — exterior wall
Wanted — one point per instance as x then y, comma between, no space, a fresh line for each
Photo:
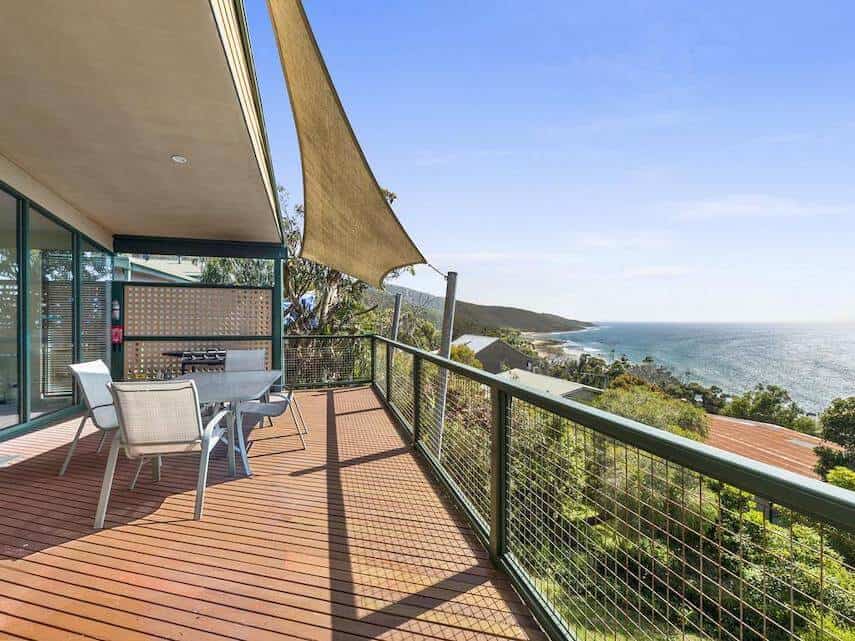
21,181
499,356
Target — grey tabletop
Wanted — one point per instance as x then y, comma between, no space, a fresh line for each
214,387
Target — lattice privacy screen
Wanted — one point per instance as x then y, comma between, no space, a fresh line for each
197,311
148,360
191,319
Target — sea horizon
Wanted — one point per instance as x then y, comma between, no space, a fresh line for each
813,360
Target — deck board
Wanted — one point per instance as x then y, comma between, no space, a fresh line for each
349,540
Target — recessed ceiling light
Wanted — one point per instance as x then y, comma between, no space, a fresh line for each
178,159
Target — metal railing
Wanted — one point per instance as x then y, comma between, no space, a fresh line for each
326,360
611,529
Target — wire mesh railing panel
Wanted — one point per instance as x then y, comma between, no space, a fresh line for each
402,386
623,544
457,432
316,361
380,366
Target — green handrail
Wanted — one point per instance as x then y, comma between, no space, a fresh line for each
824,501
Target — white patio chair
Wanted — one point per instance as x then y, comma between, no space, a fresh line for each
93,379
277,407
248,360
159,419
245,360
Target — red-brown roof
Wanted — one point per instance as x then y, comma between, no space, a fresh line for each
766,443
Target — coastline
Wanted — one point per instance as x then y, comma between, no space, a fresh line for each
553,348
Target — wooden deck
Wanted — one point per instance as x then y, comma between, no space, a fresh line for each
346,541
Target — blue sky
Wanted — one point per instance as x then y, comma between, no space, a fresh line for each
603,160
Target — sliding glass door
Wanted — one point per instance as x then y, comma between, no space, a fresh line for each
51,307
8,310
54,309
96,274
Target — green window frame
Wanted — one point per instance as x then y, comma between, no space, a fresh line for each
84,321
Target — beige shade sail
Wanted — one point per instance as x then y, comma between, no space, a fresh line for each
349,225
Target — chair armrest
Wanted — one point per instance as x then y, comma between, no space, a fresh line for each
211,433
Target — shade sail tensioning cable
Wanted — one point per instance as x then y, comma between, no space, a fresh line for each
349,225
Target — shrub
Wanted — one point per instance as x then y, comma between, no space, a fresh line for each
648,406
842,477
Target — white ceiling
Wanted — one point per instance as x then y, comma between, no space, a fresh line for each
96,96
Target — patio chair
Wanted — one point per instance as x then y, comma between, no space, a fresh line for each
277,407
93,379
248,360
245,360
159,419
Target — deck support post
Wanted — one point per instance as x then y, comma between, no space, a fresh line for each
445,352
390,352
501,409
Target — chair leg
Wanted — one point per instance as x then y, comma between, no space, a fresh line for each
266,399
101,441
107,483
300,414
240,441
73,446
230,445
202,482
155,469
299,432
137,473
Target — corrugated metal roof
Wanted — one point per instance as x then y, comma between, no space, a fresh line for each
474,342
541,382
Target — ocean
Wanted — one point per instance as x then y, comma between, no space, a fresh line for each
814,362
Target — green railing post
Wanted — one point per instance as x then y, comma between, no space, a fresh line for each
501,406
388,373
117,350
417,398
277,320
24,329
373,359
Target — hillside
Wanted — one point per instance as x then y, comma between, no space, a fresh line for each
471,318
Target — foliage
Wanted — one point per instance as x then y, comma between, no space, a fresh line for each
651,407
320,299
838,423
838,426
464,354
842,477
770,404
414,327
238,271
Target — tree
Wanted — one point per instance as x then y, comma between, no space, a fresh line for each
770,404
464,354
838,426
647,405
320,299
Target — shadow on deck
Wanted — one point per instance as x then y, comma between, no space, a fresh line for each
345,541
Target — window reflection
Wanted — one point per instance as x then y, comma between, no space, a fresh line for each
51,315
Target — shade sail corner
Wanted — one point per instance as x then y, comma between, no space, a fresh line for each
349,225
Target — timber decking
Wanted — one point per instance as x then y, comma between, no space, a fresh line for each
346,541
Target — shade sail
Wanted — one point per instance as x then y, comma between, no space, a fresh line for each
349,226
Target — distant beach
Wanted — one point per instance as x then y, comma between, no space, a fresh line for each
814,362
